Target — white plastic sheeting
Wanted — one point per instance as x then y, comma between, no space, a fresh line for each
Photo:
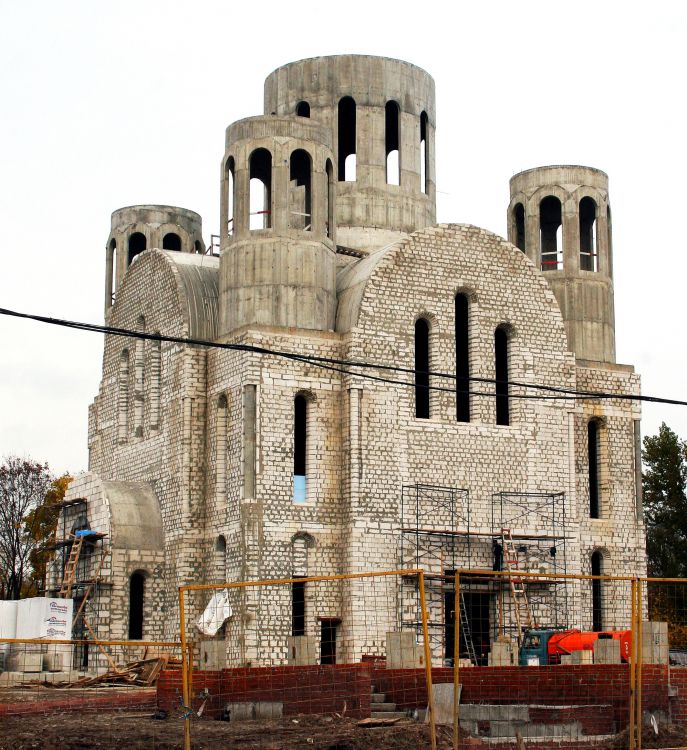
216,613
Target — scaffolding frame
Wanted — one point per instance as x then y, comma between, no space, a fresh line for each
536,524
435,536
86,588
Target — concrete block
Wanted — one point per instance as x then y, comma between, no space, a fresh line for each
582,657
503,654
566,659
25,662
53,662
254,710
213,655
402,650
606,651
303,650
443,702
655,643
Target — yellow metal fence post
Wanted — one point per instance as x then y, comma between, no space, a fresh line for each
184,672
456,662
428,661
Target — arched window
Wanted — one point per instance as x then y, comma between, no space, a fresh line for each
123,397
300,191
229,187
136,598
597,596
588,245
303,109
137,244
519,219
155,382
462,331
171,241
593,455
424,153
421,369
330,199
198,247
300,448
550,234
347,140
111,272
260,189
139,379
501,373
220,572
221,451
392,143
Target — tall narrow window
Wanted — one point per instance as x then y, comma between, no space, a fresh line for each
111,272
329,215
123,397
519,217
550,234
221,451
588,251
260,189
347,140
171,241
300,448
229,187
421,369
597,596
298,607
250,403
300,190
220,572
392,141
462,321
136,595
593,456
139,380
303,109
137,244
155,383
501,368
424,153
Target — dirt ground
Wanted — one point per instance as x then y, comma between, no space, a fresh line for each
130,732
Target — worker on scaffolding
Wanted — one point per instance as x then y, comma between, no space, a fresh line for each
498,554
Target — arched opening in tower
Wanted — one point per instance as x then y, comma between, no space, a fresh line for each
519,217
424,153
137,244
550,234
588,245
392,141
171,241
303,109
347,140
300,190
260,171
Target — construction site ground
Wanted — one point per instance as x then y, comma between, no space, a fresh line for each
130,731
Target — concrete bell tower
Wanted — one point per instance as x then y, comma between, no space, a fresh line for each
278,251
137,228
380,114
560,217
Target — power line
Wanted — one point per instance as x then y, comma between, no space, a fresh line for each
343,366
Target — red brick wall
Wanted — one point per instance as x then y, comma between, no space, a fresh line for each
307,690
678,704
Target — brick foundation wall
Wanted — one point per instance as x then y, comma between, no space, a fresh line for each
301,690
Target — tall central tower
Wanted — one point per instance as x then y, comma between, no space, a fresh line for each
381,116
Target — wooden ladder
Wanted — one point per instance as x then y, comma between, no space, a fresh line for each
466,631
523,611
70,567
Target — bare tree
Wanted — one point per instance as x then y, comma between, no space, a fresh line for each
23,485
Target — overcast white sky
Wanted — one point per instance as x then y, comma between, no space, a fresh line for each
108,104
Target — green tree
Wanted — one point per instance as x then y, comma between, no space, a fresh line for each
665,503
23,487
